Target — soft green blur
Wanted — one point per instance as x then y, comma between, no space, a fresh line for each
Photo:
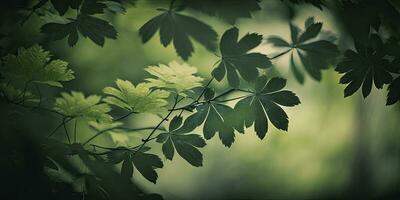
330,141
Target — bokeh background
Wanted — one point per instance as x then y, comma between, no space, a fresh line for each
335,146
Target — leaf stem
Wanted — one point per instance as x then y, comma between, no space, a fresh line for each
280,54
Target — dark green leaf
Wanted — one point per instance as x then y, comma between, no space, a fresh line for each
175,123
278,41
146,164
235,57
209,93
96,29
127,168
394,92
264,106
168,149
314,56
178,28
60,5
228,10
365,66
311,32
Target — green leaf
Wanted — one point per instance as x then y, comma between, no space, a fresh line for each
209,93
216,118
76,104
228,10
365,65
138,99
278,41
62,5
146,164
236,58
127,168
177,77
185,144
34,64
91,7
394,92
94,28
178,28
315,55
316,3
175,123
14,94
265,104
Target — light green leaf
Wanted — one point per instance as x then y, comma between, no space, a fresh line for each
139,99
76,104
34,64
175,76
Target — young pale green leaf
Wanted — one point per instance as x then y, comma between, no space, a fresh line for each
177,77
76,104
235,57
314,55
34,65
365,66
265,105
138,99
177,28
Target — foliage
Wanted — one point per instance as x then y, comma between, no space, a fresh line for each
76,104
177,77
365,66
263,104
34,65
314,55
176,94
236,58
137,99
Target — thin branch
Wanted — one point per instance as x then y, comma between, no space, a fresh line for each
280,54
158,125
232,99
125,116
66,131
59,126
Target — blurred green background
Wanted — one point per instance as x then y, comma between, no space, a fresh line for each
334,145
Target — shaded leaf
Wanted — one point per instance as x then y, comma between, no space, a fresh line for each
34,64
178,28
265,105
394,92
236,58
146,164
228,10
315,55
364,66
